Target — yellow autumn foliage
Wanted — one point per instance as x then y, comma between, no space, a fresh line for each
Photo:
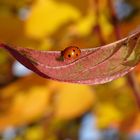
31,101
47,16
73,100
34,133
26,107
107,115
105,25
31,104
85,25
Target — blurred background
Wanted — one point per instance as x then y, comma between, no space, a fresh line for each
33,108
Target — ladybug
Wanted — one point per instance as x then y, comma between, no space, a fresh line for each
71,52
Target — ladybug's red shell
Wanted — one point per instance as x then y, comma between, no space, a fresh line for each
71,52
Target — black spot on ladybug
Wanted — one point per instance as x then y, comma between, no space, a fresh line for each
125,44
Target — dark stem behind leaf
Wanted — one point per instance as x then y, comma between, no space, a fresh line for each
133,83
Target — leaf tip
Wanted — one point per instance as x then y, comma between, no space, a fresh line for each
2,45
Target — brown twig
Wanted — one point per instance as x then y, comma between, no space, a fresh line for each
131,76
97,28
114,20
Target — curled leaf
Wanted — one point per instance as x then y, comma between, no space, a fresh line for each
94,66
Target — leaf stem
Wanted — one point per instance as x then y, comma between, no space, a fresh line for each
97,28
131,78
114,20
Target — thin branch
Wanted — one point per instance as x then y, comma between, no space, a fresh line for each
94,4
131,76
114,20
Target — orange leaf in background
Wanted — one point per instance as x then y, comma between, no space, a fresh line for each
12,32
28,101
127,27
31,105
73,100
131,124
26,108
135,126
13,88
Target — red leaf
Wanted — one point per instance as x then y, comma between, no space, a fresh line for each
94,66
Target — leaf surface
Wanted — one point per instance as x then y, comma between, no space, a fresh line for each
94,66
